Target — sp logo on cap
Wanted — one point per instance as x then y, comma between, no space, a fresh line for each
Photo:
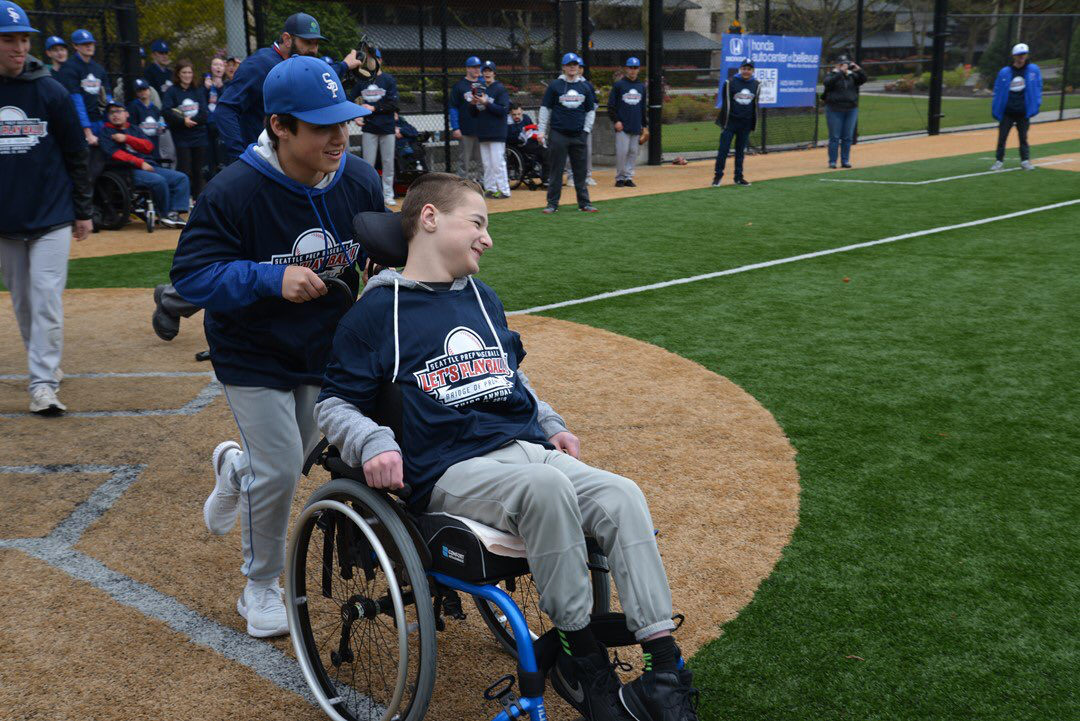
13,14
331,84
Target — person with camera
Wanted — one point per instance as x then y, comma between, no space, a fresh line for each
379,96
489,108
239,115
1017,96
842,108
462,124
738,118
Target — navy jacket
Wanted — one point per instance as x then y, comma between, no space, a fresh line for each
160,79
491,119
191,103
461,397
135,150
250,223
626,104
149,120
239,116
381,93
739,101
44,174
460,97
89,85
569,103
514,130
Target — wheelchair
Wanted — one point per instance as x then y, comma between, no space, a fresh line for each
523,169
369,582
115,197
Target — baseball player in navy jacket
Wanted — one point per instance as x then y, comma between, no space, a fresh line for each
266,241
462,125
44,189
379,95
488,108
88,84
627,110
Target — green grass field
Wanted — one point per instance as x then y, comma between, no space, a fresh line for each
932,399
878,115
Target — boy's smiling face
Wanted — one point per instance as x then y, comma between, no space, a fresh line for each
461,235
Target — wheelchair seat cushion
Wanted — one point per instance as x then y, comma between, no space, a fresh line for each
460,551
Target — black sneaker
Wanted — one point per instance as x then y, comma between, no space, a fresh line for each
620,183
661,696
165,324
629,183
845,165
742,181
589,684
716,181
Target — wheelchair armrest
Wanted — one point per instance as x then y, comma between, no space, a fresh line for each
338,467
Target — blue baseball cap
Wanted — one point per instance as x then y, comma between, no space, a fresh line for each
489,64
141,84
378,53
142,52
472,62
327,59
13,19
159,46
302,25
633,62
308,89
570,58
53,40
81,37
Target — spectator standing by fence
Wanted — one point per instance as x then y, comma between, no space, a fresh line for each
45,186
86,81
842,108
185,112
568,109
626,108
462,125
379,95
489,107
1017,97
158,73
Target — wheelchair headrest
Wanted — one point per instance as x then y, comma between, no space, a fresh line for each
382,237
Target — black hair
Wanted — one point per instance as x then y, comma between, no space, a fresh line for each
514,106
289,122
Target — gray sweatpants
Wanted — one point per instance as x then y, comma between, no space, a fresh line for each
35,271
552,500
278,430
174,304
588,160
384,146
626,150
468,157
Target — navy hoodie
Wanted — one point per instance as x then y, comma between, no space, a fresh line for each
149,120
626,104
160,78
240,116
514,130
251,222
178,104
491,119
456,368
381,93
44,177
88,83
460,97
569,103
739,101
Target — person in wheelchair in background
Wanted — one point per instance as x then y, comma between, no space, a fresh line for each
123,142
479,443
524,135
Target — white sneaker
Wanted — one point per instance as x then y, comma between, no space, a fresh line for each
1026,165
590,181
219,511
264,609
59,376
390,201
998,165
43,401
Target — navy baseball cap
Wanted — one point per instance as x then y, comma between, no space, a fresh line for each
113,104
141,84
53,40
142,52
473,62
633,63
572,58
302,25
13,19
159,46
489,65
80,37
308,89
747,62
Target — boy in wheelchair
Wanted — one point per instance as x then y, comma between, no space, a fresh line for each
478,442
126,143
522,133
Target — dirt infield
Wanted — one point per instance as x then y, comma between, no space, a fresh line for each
670,178
126,607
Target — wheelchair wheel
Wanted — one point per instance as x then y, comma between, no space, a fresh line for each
525,595
515,168
359,607
112,202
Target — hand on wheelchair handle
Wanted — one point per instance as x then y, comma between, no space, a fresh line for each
566,442
384,471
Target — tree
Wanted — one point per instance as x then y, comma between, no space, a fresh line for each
1074,57
998,53
338,25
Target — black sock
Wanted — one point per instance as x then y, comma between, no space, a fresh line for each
578,643
661,654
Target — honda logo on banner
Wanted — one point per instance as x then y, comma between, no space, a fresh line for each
736,46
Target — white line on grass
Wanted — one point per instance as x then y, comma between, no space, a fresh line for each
792,259
939,180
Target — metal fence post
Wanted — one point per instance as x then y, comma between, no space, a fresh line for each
858,32
586,37
127,25
937,67
655,59
765,111
1065,66
423,70
445,84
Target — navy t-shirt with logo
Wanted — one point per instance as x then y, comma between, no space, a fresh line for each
381,93
1015,104
569,104
180,103
86,80
460,394
628,99
147,118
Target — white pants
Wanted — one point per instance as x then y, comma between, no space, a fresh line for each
468,150
278,430
35,271
381,145
493,156
626,150
588,161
